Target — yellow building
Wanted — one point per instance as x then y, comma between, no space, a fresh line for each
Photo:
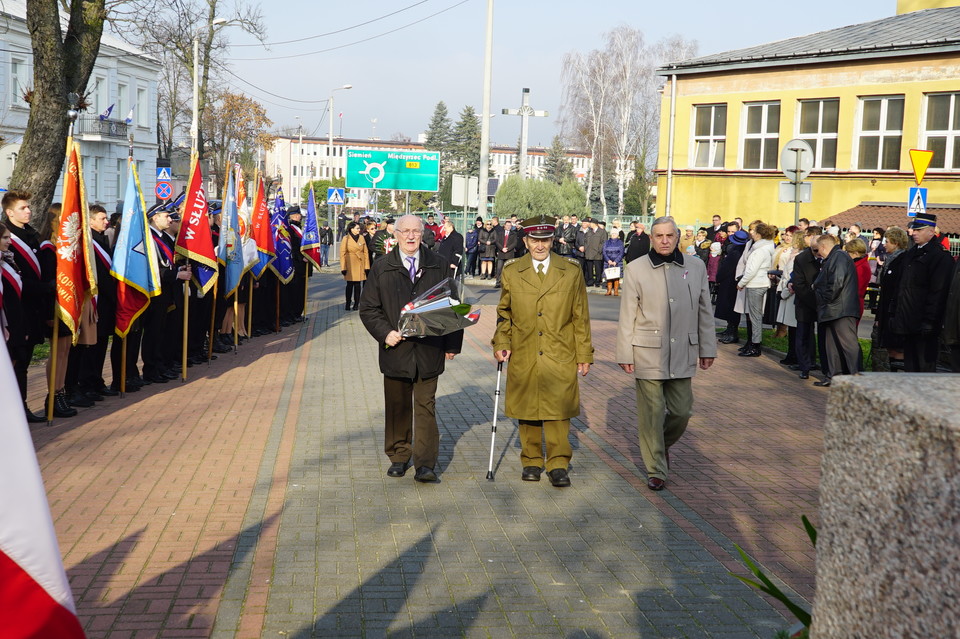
862,96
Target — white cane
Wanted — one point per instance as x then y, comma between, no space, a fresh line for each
493,428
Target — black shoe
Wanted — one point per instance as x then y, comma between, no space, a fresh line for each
156,378
794,367
356,307
347,307
79,399
655,483
531,473
788,361
804,375
108,392
558,477
425,474
33,418
220,347
170,375
398,469
730,339
61,407
746,346
824,384
753,351
93,396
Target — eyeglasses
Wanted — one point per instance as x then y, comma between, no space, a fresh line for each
413,232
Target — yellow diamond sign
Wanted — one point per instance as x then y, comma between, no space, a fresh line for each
920,160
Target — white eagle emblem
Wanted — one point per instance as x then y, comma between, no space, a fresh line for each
68,242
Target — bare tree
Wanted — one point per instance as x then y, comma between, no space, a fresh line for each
237,127
586,85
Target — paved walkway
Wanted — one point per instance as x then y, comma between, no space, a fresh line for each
252,501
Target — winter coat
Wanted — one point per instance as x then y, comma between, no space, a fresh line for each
638,247
593,249
863,279
805,271
546,325
922,295
836,287
386,292
569,235
354,258
951,318
758,263
727,284
890,274
485,236
473,239
613,252
451,248
665,323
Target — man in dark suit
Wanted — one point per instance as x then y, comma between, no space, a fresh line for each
411,366
806,267
712,230
593,254
838,308
506,247
90,380
451,248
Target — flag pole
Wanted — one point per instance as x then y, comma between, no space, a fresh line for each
213,319
306,289
186,313
53,369
123,366
236,322
250,308
276,323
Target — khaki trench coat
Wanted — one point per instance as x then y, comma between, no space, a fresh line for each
354,259
547,328
666,320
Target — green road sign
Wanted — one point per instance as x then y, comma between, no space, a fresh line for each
399,170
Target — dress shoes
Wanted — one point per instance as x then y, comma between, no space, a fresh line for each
655,483
220,347
79,399
559,477
788,361
156,378
531,473
804,375
824,384
93,396
794,367
398,469
425,474
106,391
33,418
753,351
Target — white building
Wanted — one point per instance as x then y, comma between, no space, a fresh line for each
123,76
316,162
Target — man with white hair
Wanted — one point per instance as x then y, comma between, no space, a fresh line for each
665,330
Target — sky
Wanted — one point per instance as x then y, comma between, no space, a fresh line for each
398,78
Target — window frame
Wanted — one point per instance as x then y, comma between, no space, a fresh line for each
816,140
883,133
712,139
952,147
763,136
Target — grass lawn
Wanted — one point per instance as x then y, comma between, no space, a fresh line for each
780,344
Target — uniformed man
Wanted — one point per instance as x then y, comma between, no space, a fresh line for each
543,328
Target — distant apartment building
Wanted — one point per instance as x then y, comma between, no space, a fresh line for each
123,77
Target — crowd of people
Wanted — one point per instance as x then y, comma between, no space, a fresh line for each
154,343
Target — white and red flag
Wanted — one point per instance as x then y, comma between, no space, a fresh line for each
35,597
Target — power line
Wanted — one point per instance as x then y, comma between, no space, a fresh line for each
224,67
329,33
350,44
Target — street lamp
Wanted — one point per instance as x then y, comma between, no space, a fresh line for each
299,160
195,125
330,149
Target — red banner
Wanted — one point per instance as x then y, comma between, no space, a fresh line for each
195,240
76,279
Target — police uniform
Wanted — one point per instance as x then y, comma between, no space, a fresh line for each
545,323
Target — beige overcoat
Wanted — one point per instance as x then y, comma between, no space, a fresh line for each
666,320
547,327
354,258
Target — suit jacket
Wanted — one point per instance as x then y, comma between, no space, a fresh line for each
451,248
666,319
508,241
547,326
805,271
593,249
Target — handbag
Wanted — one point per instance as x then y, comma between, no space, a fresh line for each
611,273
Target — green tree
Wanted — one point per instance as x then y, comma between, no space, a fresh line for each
421,200
465,143
527,198
63,58
439,130
573,198
636,199
320,189
556,166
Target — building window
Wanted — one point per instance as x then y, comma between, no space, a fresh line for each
120,111
818,126
18,78
942,130
142,107
761,137
709,135
881,133
100,103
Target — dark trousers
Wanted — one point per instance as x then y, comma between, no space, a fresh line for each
134,337
955,359
594,272
807,348
265,302
152,345
410,423
473,264
843,348
354,289
499,268
920,352
198,324
21,357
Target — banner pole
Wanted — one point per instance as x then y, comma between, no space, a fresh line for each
236,319
123,366
213,319
276,323
250,308
53,370
186,313
306,289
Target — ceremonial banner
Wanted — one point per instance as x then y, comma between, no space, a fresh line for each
230,250
134,261
283,265
262,231
76,279
310,248
35,597
195,239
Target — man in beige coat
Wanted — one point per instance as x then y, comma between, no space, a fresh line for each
666,330
543,328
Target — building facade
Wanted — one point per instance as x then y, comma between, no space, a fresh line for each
862,96
123,77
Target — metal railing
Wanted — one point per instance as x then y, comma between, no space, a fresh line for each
93,125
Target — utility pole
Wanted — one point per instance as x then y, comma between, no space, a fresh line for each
525,112
485,114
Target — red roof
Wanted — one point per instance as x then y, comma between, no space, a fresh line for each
884,214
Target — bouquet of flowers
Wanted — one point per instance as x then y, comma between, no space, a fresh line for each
440,311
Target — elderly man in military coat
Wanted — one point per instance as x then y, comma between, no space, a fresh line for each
543,328
665,330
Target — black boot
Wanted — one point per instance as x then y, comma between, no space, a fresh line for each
33,418
746,347
61,407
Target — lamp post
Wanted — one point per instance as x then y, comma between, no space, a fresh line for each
299,160
345,87
195,125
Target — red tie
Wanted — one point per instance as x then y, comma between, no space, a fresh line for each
505,236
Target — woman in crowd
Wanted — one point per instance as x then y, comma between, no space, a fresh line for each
755,283
473,247
613,258
617,227
354,263
702,245
727,287
787,313
488,250
771,306
895,241
876,252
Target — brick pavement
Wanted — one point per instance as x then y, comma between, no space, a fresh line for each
234,507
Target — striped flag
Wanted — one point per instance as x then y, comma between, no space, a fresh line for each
262,231
35,597
230,249
310,248
195,239
134,259
283,265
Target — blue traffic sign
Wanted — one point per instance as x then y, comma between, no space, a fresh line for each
335,196
917,202
163,174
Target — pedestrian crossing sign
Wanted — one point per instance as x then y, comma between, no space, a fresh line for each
163,174
917,202
334,196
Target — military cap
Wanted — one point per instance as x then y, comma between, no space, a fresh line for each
540,227
923,220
